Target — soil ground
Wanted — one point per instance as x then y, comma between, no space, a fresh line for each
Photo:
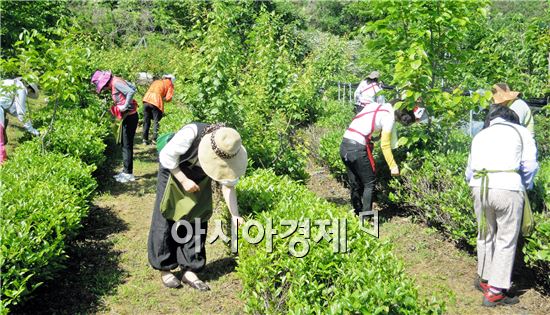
440,269
108,270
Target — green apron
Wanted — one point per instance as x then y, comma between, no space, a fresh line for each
527,224
178,204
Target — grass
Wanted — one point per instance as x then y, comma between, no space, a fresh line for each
108,271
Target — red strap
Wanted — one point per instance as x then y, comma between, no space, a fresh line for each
369,136
374,111
370,86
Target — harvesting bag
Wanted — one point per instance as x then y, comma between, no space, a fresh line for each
528,223
163,139
177,203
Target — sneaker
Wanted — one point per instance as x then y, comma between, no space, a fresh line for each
481,285
124,178
492,299
146,142
119,175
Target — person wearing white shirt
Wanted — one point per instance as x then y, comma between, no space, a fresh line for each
502,95
367,92
195,155
501,166
356,151
13,100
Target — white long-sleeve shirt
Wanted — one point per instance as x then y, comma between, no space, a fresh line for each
177,146
500,148
367,93
13,100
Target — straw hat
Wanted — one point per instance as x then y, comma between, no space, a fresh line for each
374,75
503,94
100,79
222,155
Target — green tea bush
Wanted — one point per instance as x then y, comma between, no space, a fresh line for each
78,137
366,278
437,192
329,152
174,118
537,246
44,197
542,133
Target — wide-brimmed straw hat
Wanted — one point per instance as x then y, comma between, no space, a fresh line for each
503,94
374,75
222,155
100,79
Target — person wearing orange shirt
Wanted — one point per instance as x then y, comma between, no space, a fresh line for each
153,105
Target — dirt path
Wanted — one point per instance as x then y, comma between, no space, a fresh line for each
440,269
108,268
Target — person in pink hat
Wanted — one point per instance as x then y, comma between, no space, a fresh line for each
125,110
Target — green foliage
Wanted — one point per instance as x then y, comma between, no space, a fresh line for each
542,133
323,281
27,15
60,66
79,137
422,46
162,58
513,48
44,197
174,118
537,249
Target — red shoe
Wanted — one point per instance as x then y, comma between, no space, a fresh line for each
481,285
491,299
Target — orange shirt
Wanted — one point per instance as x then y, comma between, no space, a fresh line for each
158,90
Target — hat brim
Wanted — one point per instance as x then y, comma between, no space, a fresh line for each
34,90
373,75
221,169
500,98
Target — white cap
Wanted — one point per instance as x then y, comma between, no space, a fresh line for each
169,76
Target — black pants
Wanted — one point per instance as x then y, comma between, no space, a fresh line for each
151,111
360,174
129,126
163,251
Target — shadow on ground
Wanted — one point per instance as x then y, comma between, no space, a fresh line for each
92,270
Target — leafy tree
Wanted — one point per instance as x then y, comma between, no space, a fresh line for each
20,15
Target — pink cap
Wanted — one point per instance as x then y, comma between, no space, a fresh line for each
100,79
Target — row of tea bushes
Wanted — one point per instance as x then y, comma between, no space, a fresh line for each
365,278
432,186
45,193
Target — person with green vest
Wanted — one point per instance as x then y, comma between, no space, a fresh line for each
501,166
197,154
502,95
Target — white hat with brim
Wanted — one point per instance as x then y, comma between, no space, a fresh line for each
32,87
222,155
503,94
374,75
169,76
33,93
